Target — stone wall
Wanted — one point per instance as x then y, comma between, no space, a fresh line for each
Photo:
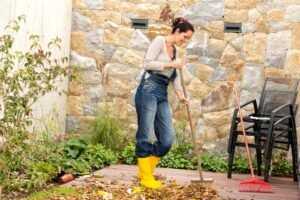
109,53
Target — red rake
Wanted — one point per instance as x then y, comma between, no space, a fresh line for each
252,184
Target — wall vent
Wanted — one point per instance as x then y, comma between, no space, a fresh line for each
232,27
139,23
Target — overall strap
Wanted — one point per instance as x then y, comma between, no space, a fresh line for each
174,73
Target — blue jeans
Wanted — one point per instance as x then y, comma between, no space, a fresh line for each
153,113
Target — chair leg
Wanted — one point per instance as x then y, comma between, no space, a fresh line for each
268,153
295,161
231,143
232,130
258,148
294,145
258,155
231,156
267,164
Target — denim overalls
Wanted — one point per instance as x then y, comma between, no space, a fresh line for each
153,112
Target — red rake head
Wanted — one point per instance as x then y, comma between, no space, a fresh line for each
255,185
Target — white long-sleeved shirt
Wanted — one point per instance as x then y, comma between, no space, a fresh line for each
155,58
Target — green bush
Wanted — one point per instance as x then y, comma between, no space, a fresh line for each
214,163
41,162
74,148
240,164
80,158
76,166
180,157
37,72
98,157
177,161
127,156
281,166
39,174
106,130
28,163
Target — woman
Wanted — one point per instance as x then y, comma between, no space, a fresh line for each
151,101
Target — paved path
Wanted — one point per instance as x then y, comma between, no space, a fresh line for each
283,188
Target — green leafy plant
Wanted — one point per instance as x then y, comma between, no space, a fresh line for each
106,130
215,163
25,76
98,156
33,167
45,160
27,162
281,166
180,157
177,161
79,157
127,156
74,147
76,166
240,164
39,174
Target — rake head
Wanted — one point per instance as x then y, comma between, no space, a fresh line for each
255,185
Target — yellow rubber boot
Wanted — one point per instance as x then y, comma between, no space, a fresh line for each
154,160
145,173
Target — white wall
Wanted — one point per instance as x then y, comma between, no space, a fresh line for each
49,19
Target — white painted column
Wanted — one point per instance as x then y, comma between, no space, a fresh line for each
48,19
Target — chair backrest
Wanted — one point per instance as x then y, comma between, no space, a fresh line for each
276,92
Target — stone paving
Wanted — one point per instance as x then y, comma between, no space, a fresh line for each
283,188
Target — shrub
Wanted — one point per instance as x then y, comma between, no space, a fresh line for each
25,76
107,131
180,157
81,158
214,163
281,166
127,156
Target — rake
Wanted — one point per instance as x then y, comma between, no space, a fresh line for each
195,152
252,184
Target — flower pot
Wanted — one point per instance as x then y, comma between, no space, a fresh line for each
66,178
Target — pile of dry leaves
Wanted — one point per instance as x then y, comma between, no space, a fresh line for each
117,191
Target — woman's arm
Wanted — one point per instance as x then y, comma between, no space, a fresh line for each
150,60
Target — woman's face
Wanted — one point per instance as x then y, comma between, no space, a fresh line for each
183,37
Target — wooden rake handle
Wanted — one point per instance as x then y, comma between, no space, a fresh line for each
192,127
188,109
238,103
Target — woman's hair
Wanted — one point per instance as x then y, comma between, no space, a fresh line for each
182,25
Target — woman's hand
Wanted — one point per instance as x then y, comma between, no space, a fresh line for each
182,98
185,101
176,64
